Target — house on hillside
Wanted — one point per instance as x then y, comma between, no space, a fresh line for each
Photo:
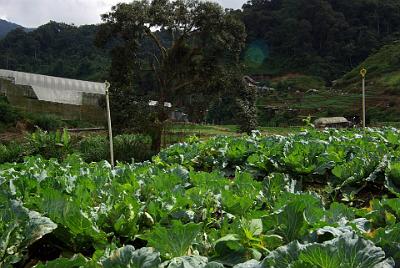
334,122
70,99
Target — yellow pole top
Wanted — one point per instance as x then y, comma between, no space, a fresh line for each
107,84
363,72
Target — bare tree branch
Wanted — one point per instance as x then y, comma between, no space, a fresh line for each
162,49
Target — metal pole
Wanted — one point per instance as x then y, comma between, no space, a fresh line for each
363,73
110,135
363,104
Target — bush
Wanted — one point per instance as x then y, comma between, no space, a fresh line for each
126,148
13,152
47,122
130,147
50,145
94,148
9,115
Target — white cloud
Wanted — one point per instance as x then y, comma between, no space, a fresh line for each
32,13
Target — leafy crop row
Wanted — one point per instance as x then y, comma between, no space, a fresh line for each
314,199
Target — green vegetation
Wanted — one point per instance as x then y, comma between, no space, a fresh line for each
344,99
55,49
297,82
382,84
179,132
60,144
11,116
312,199
6,27
321,38
383,70
127,148
307,199
94,148
295,45
192,60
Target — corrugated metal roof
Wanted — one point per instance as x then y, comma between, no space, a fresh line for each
55,89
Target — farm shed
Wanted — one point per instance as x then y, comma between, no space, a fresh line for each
338,122
68,98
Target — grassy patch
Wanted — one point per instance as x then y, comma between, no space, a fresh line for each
390,80
298,82
178,132
382,68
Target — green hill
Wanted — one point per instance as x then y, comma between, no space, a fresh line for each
6,27
344,99
382,83
56,49
383,75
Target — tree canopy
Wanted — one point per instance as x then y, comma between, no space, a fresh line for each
55,49
170,51
183,43
320,37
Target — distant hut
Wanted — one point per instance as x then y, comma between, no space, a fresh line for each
334,122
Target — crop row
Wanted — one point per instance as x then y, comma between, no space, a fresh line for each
313,199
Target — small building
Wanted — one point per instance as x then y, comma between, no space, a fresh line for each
334,122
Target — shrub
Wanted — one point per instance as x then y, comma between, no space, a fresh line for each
130,147
126,148
47,122
9,115
94,148
50,145
13,152
59,145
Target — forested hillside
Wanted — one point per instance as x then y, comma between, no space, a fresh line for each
320,37
55,49
6,27
383,70
325,38
291,44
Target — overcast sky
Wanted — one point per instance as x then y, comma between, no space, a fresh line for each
32,13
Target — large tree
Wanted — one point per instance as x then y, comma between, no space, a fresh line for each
172,51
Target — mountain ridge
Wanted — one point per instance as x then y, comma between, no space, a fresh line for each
8,26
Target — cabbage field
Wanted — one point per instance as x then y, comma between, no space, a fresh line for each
313,199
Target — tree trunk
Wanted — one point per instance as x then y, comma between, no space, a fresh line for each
157,131
156,140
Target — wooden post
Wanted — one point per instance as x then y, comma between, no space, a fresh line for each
110,135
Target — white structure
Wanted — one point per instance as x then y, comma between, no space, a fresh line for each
155,103
332,122
54,89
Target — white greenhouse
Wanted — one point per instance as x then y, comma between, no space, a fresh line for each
71,99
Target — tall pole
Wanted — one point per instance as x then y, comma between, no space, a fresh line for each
110,134
363,73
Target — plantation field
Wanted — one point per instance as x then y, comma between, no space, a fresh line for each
309,199
180,132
